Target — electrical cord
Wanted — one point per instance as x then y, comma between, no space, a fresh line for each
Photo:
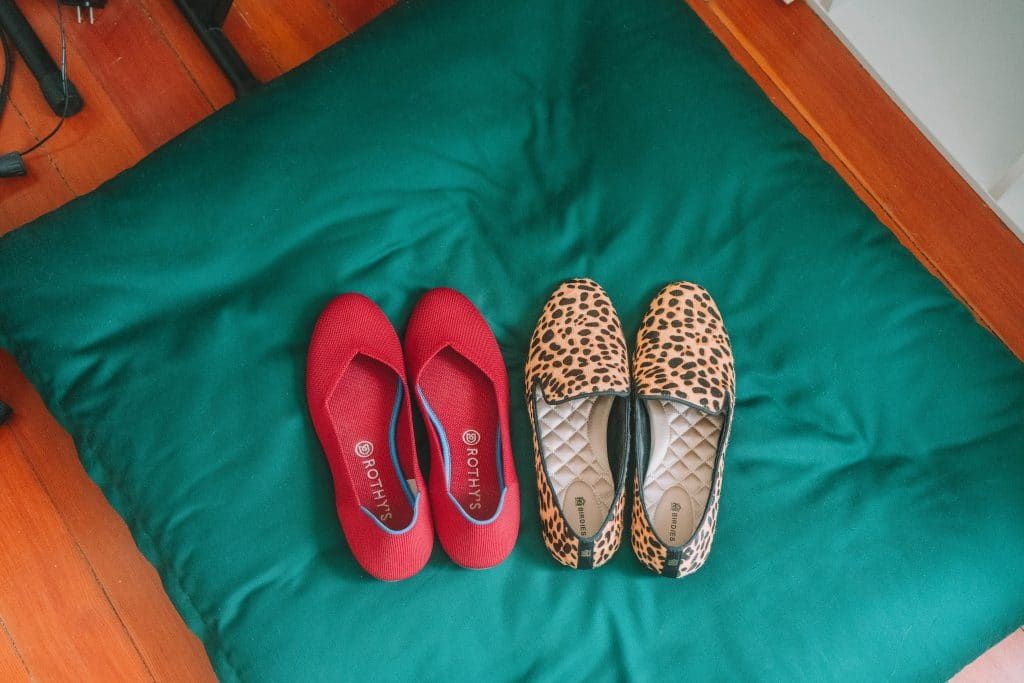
12,163
64,83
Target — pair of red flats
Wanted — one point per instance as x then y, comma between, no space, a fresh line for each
359,399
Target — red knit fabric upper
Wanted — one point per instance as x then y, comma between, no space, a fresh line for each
445,321
353,345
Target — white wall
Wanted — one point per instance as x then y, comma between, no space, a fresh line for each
957,68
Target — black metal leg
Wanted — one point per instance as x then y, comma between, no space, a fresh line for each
206,18
5,412
39,62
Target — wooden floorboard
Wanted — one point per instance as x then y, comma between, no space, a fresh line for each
131,585
287,38
52,605
175,31
145,77
127,55
22,199
12,667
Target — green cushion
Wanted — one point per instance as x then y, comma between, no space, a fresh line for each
871,522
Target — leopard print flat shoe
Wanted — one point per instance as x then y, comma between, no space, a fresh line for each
578,398
684,379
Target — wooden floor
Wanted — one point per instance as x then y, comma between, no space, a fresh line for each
145,77
77,600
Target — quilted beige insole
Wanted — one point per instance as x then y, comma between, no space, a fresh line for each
684,442
574,440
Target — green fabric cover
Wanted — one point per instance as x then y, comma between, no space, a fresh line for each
871,524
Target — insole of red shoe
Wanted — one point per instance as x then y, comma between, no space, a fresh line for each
463,410
365,405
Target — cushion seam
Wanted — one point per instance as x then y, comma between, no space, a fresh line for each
134,522
167,573
84,445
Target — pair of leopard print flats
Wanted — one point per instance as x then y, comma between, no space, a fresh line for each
589,414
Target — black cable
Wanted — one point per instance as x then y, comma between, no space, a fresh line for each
12,164
64,82
5,86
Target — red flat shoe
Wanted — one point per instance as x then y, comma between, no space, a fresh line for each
359,402
460,381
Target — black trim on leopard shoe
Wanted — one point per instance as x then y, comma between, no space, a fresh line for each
578,398
684,377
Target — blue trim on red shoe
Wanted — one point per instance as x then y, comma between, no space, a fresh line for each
446,457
